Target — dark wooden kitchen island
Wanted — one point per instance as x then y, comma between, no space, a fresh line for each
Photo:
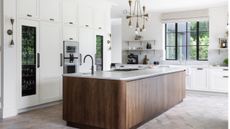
119,100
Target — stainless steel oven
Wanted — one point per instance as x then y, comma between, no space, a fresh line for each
71,56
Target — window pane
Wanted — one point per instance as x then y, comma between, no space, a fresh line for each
181,38
181,53
203,52
170,39
192,26
204,38
191,53
170,53
204,25
192,38
181,27
170,27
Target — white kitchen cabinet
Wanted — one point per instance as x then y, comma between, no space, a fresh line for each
218,80
70,33
50,10
87,45
85,16
199,79
70,13
50,62
99,19
188,82
28,8
28,99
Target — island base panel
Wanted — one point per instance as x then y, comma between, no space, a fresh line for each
111,104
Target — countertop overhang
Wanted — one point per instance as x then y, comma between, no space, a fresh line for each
126,75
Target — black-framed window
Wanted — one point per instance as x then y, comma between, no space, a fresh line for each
187,41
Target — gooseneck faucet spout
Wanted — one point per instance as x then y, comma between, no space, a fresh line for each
92,68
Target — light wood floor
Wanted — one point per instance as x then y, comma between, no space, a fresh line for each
196,112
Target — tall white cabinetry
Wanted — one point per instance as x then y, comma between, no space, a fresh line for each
199,78
86,17
57,21
28,8
87,46
99,19
51,10
50,73
70,13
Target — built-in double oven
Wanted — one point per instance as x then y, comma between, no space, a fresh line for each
71,57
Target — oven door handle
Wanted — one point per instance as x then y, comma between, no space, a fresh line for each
61,62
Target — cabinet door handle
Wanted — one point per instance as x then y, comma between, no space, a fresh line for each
51,19
70,38
61,59
100,28
95,59
28,15
199,68
70,22
225,69
80,59
86,25
38,60
225,76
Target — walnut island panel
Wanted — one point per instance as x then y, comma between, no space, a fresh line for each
120,100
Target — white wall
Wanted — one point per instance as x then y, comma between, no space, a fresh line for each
218,24
116,29
155,30
9,96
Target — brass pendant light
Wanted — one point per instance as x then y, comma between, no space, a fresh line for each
137,13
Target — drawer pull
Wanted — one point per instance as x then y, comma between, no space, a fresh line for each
86,25
28,15
70,22
70,38
225,76
225,69
199,68
100,28
51,19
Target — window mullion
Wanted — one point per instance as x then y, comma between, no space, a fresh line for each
197,49
176,41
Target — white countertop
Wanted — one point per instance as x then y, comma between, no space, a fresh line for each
126,75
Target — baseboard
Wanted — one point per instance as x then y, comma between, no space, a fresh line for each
207,92
10,112
22,110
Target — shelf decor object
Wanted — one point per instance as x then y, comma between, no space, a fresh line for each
10,32
137,13
227,25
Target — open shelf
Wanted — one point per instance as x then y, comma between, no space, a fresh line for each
154,50
141,41
218,49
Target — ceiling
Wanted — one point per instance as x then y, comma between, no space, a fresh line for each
158,6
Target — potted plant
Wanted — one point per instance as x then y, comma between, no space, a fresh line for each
147,61
226,61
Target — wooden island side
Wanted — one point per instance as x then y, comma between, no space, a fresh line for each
119,104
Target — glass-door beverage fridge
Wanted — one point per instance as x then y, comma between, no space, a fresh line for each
28,60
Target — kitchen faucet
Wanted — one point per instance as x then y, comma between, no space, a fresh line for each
92,69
